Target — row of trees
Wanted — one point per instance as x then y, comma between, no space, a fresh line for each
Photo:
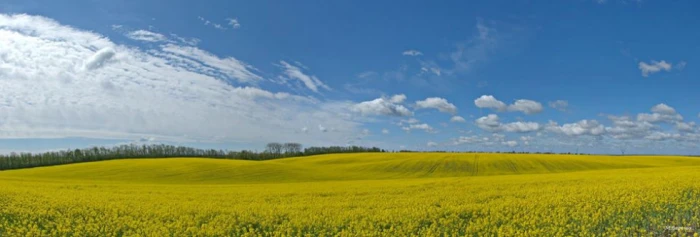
28,160
283,149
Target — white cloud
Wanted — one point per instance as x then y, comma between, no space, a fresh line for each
170,93
381,106
215,25
685,127
322,128
654,67
457,119
186,40
522,105
205,21
661,113
410,121
661,136
148,36
663,109
583,127
431,144
561,105
470,140
521,127
526,106
385,131
398,99
492,123
233,22
437,103
626,128
202,62
294,72
423,126
490,102
656,117
98,59
510,143
412,52
489,123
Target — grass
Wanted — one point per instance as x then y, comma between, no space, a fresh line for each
377,194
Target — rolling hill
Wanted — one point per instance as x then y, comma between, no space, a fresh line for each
361,166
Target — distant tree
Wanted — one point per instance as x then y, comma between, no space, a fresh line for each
274,148
292,148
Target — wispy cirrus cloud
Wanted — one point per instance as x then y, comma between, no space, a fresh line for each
148,36
291,72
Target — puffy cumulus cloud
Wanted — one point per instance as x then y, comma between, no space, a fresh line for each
561,105
685,127
412,52
492,123
437,103
661,113
398,99
663,109
423,126
489,123
654,67
457,119
57,81
148,36
626,128
383,106
526,139
294,72
490,102
431,144
656,117
526,106
645,125
583,127
522,105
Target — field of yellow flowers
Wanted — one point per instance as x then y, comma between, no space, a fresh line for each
357,195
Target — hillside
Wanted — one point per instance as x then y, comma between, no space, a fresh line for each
360,166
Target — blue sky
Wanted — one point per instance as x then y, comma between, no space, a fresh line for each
592,76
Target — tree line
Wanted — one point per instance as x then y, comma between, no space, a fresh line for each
133,151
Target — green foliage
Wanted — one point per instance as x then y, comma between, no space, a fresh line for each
29,160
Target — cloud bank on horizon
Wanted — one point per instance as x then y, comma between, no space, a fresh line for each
59,81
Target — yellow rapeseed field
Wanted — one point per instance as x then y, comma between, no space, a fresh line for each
407,194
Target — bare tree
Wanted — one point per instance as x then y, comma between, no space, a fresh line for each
274,148
292,148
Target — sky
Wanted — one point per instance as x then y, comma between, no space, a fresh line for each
594,76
